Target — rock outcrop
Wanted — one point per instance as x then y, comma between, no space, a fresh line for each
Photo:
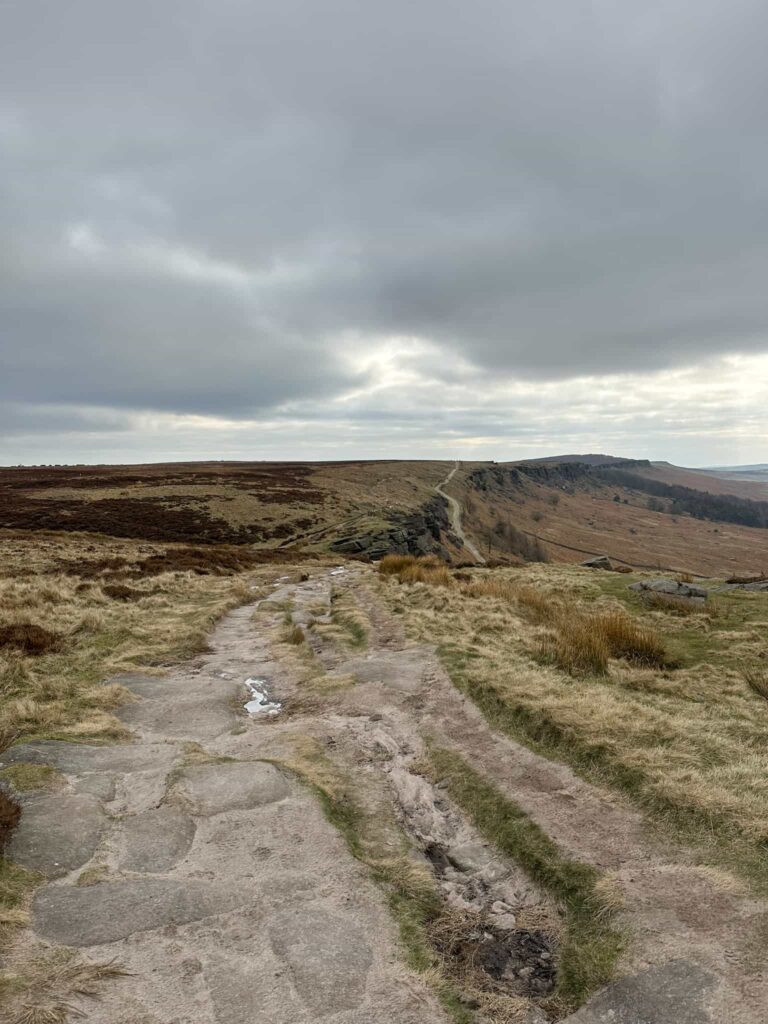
416,533
672,589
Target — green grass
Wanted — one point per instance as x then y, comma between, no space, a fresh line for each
592,945
356,632
25,778
16,885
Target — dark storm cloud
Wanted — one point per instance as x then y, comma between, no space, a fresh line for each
211,206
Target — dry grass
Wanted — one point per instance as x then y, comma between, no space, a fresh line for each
577,648
629,639
295,635
60,639
40,989
677,605
687,744
757,680
409,569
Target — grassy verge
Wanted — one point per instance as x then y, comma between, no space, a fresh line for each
686,744
592,945
673,811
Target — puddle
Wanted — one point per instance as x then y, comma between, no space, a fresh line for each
260,704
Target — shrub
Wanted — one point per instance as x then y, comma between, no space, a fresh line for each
29,638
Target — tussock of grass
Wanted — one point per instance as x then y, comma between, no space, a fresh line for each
16,885
592,946
295,635
757,680
577,648
627,638
409,569
39,989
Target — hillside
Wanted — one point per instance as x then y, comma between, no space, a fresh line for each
641,514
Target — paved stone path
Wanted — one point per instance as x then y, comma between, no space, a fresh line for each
222,888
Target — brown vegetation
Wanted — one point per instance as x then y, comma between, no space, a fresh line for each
29,638
757,680
60,637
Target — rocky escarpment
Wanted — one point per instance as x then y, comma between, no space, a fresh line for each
501,478
416,533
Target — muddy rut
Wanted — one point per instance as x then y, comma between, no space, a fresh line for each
198,859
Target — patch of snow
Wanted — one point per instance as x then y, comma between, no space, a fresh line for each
260,702
337,571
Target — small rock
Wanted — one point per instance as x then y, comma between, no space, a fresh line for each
507,922
500,908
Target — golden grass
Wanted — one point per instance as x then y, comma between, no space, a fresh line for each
627,638
580,643
688,744
40,989
757,680
409,569
577,648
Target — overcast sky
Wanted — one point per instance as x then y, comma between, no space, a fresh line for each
419,228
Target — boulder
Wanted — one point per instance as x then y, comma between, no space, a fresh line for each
672,588
599,562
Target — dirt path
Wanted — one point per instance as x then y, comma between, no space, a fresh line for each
455,515
216,881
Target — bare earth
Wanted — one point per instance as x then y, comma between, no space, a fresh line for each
225,894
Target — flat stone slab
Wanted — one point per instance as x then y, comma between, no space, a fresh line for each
109,911
143,686
233,786
155,840
196,718
74,758
328,957
398,670
57,833
675,993
98,784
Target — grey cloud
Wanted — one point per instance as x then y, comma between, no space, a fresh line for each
541,189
